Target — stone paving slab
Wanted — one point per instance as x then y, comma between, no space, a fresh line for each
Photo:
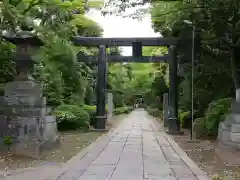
134,151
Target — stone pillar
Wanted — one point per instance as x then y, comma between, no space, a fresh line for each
165,109
110,105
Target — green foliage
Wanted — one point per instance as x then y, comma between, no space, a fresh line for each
95,4
7,66
215,114
169,22
183,116
123,110
129,81
64,78
8,140
134,82
92,113
218,178
216,73
72,117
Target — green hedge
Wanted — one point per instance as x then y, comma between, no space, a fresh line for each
72,117
185,117
92,113
122,110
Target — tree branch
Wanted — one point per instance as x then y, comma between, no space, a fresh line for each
180,9
31,5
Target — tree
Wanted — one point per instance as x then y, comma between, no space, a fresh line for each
65,79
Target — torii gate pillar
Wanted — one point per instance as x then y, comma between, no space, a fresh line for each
174,123
101,115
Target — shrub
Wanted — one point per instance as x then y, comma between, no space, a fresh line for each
215,114
122,110
92,113
183,116
72,117
8,140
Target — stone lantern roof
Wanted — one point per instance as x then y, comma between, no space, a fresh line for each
23,37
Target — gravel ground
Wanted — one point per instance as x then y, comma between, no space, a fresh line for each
71,144
203,153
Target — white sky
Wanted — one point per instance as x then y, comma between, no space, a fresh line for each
123,27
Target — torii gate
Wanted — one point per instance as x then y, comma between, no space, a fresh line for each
137,44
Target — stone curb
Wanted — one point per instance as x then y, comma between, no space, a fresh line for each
200,174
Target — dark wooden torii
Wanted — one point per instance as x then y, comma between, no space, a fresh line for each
137,44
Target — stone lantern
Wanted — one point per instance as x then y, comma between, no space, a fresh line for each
26,111
26,45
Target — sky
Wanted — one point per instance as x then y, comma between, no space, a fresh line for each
123,27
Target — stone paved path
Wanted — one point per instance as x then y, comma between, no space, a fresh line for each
134,151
